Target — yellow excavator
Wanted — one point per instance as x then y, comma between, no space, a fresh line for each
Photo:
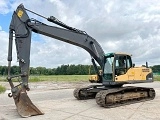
116,69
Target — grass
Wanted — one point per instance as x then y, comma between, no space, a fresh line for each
2,89
40,78
68,78
3,78
157,77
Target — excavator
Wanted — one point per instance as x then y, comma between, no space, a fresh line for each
116,69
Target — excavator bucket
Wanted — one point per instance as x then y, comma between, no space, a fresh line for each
24,105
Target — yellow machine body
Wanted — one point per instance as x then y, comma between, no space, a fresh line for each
135,74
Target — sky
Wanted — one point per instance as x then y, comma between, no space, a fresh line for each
130,26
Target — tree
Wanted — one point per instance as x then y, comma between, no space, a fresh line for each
156,68
60,70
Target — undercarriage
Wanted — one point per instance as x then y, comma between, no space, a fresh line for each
107,96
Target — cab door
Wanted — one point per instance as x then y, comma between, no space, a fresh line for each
123,65
108,72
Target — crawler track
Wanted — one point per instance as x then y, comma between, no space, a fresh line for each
83,94
114,97
125,95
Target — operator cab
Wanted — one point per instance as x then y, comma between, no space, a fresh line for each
115,64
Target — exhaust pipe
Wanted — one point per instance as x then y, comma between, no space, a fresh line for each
24,105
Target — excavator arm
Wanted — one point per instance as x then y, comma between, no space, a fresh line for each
21,28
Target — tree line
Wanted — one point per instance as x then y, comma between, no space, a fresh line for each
61,70
156,69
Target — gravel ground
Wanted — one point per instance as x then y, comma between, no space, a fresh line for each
48,85
56,100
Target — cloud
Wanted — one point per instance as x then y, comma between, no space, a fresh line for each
119,26
5,6
53,53
4,48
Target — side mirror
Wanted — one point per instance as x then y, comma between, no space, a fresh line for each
133,65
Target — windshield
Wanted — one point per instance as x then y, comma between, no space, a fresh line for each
108,65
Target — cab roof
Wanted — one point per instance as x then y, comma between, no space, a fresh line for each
117,53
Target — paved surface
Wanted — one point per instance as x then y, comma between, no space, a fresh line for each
61,105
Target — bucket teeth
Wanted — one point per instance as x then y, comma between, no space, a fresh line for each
24,105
